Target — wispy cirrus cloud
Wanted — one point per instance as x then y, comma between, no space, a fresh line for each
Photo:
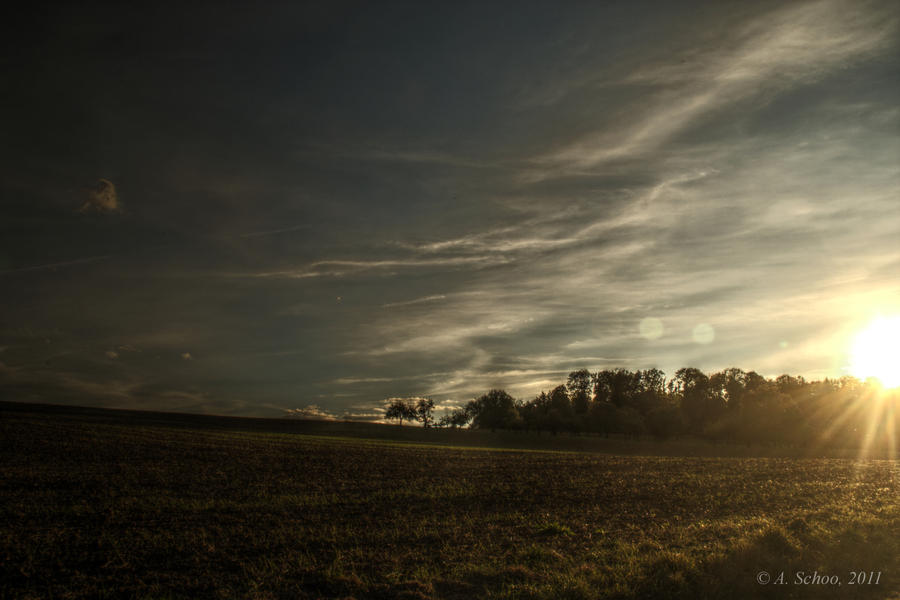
57,265
254,234
339,268
791,46
432,298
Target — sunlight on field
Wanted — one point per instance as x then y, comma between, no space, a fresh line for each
105,504
876,352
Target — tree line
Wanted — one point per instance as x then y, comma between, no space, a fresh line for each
731,405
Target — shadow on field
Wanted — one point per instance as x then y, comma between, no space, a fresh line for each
792,562
456,437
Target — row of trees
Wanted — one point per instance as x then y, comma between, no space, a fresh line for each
730,404
420,409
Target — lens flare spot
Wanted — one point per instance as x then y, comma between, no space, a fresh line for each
704,333
651,328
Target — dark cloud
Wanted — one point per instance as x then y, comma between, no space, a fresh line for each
101,197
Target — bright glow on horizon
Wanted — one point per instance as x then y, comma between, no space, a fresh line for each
876,352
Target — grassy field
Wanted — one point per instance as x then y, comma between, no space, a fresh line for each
103,504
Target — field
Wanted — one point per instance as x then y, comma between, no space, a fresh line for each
107,505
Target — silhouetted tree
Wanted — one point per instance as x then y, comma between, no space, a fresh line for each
494,410
424,411
789,385
753,380
617,386
730,385
653,380
458,418
560,416
579,386
534,413
649,391
400,409
691,386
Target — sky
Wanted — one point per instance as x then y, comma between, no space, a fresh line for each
307,209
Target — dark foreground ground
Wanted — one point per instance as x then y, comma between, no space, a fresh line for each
100,504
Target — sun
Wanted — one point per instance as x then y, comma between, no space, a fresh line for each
876,352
